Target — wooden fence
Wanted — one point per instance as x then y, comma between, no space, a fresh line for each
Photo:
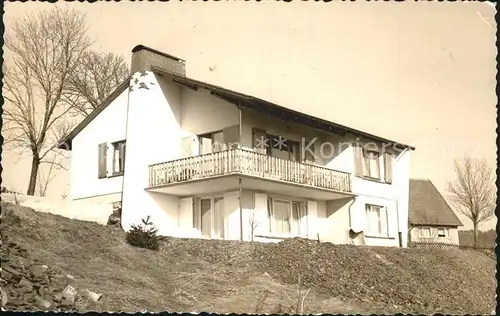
441,245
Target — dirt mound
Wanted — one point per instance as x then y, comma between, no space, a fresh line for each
387,279
231,276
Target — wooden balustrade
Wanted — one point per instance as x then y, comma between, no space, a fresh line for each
249,163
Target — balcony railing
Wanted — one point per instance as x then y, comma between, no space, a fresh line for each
246,162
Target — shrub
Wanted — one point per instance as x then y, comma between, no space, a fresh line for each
144,235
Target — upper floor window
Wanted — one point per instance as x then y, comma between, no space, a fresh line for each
372,164
119,157
283,148
211,142
275,145
371,167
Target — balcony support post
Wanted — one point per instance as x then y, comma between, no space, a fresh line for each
240,129
241,209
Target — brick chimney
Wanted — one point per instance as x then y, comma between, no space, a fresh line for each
145,58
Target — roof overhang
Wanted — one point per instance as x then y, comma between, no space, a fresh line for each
238,99
66,142
261,105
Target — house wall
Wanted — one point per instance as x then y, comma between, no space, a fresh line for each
337,152
203,113
452,239
159,120
162,116
153,136
107,127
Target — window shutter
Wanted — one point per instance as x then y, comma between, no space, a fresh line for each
231,136
122,156
358,159
388,167
258,138
102,172
392,222
187,144
270,213
308,157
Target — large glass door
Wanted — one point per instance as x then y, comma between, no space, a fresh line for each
212,217
206,217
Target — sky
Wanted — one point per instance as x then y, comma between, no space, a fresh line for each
421,73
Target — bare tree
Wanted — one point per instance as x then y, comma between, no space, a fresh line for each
44,49
55,161
97,76
473,192
253,225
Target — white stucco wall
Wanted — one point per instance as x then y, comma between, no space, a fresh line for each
337,152
452,239
159,118
153,136
203,113
95,209
107,127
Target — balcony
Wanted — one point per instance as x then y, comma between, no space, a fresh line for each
249,164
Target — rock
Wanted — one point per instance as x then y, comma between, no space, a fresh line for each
42,303
69,294
58,297
92,296
37,271
69,276
25,285
5,297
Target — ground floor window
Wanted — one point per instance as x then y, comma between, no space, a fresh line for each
425,232
285,216
443,232
208,217
376,218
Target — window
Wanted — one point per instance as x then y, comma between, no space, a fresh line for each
211,142
425,232
114,160
376,218
102,161
118,157
284,216
308,155
283,148
209,218
443,232
371,164
275,146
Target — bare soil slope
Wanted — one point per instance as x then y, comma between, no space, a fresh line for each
228,276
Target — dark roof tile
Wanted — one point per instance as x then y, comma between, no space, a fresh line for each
428,207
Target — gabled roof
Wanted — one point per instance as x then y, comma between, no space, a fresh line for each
261,105
240,99
428,207
65,143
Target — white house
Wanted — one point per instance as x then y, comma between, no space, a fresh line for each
207,162
430,217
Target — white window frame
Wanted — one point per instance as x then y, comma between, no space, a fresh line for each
301,213
421,232
198,219
380,231
216,146
116,160
446,231
366,164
